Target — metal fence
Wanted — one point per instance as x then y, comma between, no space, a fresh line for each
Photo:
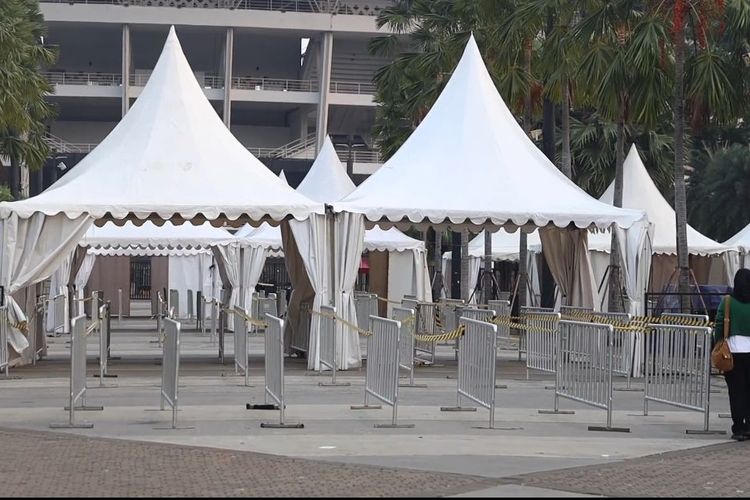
170,368
408,319
541,330
381,376
77,395
576,313
424,351
502,309
4,353
365,305
684,319
524,312
678,369
241,364
262,306
190,311
476,364
173,303
274,370
104,342
477,314
36,330
584,363
623,343
327,342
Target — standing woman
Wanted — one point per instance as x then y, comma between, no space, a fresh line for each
738,380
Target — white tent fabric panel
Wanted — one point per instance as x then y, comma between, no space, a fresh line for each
59,285
169,157
185,274
401,277
470,126
576,281
741,240
253,260
33,248
349,242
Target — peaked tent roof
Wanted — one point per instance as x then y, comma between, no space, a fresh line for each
469,159
151,236
169,157
326,181
640,192
740,240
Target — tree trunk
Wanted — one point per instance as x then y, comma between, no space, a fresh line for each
567,162
615,287
680,199
15,178
523,239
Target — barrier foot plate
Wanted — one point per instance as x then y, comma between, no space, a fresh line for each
264,406
106,375
116,358
642,415
556,412
267,425
394,426
415,386
457,408
701,431
493,428
102,386
608,429
627,389
365,407
549,387
501,386
336,384
170,428
84,425
85,408
725,415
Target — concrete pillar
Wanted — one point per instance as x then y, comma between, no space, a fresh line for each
324,75
228,51
126,63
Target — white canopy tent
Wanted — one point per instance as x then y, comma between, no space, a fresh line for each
327,181
741,241
169,159
505,247
469,162
711,261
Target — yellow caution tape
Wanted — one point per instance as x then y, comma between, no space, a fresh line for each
453,334
361,331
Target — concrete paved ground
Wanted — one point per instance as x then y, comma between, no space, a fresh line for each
212,401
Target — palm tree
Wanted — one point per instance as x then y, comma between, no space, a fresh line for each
23,108
624,63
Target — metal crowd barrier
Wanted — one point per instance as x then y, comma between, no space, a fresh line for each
58,305
262,306
119,307
524,312
623,344
407,318
541,330
104,343
424,351
77,377
381,376
240,344
584,364
577,313
173,302
4,353
170,368
274,372
476,366
300,340
36,329
365,305
477,314
678,369
327,342
502,309
684,319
